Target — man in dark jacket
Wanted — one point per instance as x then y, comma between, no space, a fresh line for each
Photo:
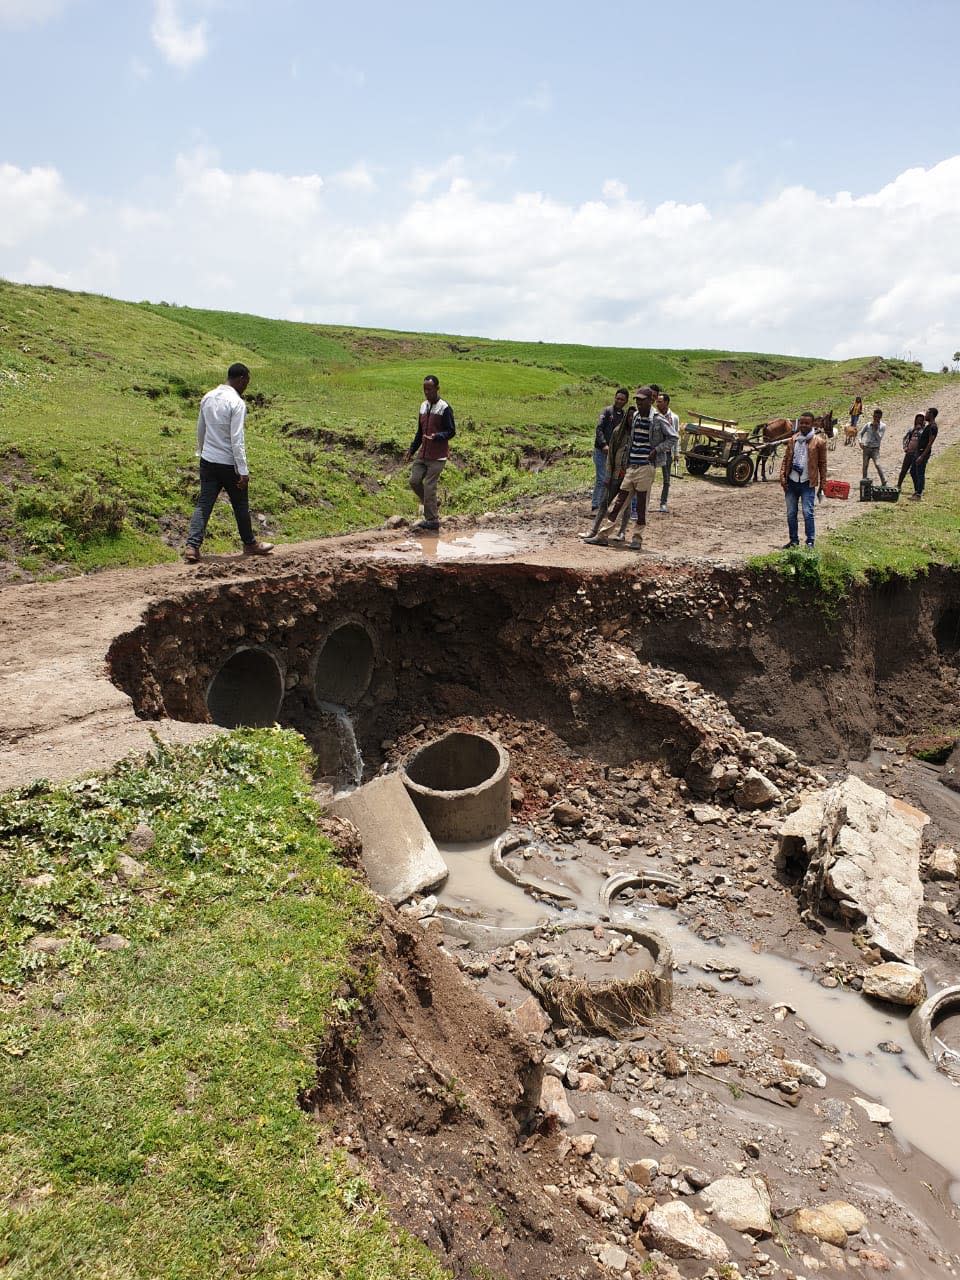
802,474
430,450
610,418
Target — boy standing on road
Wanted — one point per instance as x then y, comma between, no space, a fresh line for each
871,437
802,473
430,449
223,463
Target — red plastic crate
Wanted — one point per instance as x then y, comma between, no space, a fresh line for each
836,489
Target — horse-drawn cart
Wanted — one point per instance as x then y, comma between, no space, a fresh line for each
719,442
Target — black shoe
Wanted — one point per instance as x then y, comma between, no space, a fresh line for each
787,545
426,526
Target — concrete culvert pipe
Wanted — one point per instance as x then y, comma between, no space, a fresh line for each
343,665
460,784
247,690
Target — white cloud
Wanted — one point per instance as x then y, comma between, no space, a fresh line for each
26,13
800,272
30,200
179,44
357,178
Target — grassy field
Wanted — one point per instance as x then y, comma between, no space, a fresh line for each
98,402
149,1122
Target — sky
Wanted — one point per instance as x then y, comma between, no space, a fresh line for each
746,176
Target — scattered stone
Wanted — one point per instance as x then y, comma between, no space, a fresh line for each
943,863
658,1133
589,1083
129,868
583,1144
874,1258
112,942
46,944
889,1046
612,1256
704,813
530,1018
394,522
141,839
756,791
566,815
831,1222
593,1205
673,1065
674,1230
896,983
875,1113
741,1203
553,1101
806,1074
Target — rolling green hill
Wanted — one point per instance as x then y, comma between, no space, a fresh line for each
98,402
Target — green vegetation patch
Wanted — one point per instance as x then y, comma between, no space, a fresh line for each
149,1117
889,539
98,408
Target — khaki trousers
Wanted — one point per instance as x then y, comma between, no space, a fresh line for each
423,482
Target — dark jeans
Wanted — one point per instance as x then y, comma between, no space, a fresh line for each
909,461
918,474
215,476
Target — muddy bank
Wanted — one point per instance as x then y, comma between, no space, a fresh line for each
470,638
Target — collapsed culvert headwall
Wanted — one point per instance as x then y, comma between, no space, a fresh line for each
246,690
404,645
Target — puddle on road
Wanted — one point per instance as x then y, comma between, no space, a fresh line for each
472,546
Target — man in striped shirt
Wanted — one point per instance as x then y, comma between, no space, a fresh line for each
647,431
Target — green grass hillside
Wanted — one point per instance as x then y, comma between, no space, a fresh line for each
98,402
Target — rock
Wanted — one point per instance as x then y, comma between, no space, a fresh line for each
858,851
129,868
896,983
831,1222
756,791
875,1113
781,753
593,1205
741,1203
875,1259
530,1018
696,1177
556,1064
589,1083
394,522
803,1072
704,813
46,944
943,863
658,1133
566,815
553,1101
673,1065
583,1144
612,1256
674,1230
141,839
112,942
889,1046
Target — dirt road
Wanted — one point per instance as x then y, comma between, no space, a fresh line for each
59,713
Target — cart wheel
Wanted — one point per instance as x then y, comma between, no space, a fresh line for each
768,462
697,466
740,469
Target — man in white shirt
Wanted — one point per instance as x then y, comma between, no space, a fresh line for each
871,438
223,463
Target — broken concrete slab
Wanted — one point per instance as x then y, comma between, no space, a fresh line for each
859,852
399,855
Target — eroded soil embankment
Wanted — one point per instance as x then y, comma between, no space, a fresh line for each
468,639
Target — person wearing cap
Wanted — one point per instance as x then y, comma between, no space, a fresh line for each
631,470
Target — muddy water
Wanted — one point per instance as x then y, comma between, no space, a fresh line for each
924,1105
474,889
484,544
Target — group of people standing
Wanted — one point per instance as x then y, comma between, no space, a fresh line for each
918,442
632,444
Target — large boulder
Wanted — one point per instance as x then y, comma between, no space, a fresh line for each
755,791
896,983
674,1230
742,1203
831,1223
858,850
